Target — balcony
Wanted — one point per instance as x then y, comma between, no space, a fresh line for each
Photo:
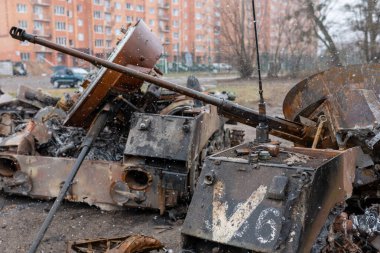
41,17
163,17
42,49
45,3
164,6
42,33
164,29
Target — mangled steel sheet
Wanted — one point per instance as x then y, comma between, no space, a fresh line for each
139,49
349,99
280,206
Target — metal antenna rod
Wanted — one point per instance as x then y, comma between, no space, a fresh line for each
258,54
262,130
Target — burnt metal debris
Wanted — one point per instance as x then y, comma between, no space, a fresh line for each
123,244
161,149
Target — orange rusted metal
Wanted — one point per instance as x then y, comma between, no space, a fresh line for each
140,49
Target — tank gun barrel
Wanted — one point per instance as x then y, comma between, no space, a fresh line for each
226,108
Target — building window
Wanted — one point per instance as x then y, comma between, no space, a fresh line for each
175,23
175,35
199,37
108,43
129,19
21,8
23,24
199,48
70,28
140,8
129,6
175,12
151,22
59,10
151,10
198,26
25,56
60,26
61,40
108,30
80,37
198,16
98,28
107,16
175,47
37,9
97,15
80,22
37,25
79,8
118,18
117,5
24,43
98,2
175,1
99,43
198,4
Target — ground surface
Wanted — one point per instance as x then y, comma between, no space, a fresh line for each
20,218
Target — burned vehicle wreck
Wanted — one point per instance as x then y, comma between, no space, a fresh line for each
147,156
320,196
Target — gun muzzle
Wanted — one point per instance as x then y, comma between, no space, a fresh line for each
21,34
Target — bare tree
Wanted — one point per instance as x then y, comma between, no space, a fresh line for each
318,13
294,39
237,38
366,21
300,38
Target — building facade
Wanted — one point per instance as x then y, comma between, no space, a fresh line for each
188,29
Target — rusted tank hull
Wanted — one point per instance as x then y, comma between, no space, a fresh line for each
162,155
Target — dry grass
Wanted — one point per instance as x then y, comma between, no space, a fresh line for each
247,92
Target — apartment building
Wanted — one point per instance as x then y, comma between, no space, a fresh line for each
188,29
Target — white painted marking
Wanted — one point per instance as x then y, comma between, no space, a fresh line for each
270,224
224,228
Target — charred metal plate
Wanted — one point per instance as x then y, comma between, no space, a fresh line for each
308,94
172,137
168,137
234,203
139,49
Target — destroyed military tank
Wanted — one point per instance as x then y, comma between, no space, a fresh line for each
148,154
320,196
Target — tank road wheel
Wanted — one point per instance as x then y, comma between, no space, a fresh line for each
56,84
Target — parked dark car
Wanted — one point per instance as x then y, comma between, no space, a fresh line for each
68,76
